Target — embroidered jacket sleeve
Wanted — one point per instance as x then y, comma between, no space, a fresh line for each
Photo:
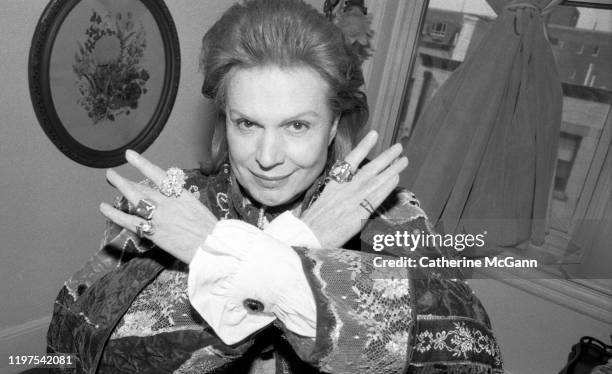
368,318
100,316
393,319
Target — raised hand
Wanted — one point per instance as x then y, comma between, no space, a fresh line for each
180,224
339,212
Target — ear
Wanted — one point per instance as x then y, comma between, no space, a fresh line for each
333,130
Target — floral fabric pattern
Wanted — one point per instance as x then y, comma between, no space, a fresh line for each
459,341
163,306
372,324
455,338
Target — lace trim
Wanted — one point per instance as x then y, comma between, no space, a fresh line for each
337,327
455,339
459,341
373,305
163,306
380,307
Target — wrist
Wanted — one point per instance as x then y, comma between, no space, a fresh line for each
291,230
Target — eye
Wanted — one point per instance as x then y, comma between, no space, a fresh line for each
297,126
245,124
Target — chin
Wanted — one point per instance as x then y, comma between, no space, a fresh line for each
271,198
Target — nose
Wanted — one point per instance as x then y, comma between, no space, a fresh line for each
270,151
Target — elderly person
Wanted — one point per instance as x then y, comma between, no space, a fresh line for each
237,269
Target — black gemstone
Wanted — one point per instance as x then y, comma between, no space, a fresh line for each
253,305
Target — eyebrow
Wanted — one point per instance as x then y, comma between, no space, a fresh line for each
297,116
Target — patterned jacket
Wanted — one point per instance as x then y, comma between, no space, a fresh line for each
127,310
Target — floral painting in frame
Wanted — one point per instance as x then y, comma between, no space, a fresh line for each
103,76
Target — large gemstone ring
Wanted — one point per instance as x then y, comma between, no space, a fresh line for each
145,228
145,209
173,183
341,172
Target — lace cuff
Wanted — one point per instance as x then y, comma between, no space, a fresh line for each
240,262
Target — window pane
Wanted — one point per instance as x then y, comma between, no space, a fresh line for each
581,40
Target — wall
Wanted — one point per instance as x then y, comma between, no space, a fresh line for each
535,335
577,56
49,218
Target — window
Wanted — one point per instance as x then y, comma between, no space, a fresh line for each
595,51
568,147
585,110
562,175
407,82
438,29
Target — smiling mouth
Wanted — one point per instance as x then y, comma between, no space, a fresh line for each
271,178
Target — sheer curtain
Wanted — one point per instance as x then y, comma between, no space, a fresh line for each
592,236
483,152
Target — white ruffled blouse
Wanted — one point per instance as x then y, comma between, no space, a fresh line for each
240,265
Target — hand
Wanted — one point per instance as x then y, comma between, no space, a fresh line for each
336,215
181,223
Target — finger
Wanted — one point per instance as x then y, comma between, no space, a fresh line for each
375,198
395,168
381,162
362,149
146,167
127,188
378,190
125,220
383,190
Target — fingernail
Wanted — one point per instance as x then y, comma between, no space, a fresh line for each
372,133
400,160
130,155
103,207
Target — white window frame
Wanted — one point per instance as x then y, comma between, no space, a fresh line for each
398,62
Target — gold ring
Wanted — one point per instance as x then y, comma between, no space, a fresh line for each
365,204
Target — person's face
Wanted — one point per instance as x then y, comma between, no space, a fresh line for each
279,126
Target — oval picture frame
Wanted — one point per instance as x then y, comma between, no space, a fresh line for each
103,76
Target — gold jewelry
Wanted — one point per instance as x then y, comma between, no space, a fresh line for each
365,204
